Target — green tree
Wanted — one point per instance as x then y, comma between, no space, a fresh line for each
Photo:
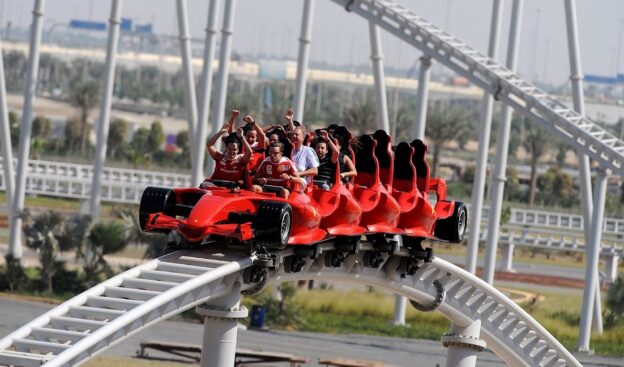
84,94
537,142
156,137
104,238
41,127
43,233
556,188
72,135
445,122
361,118
615,301
15,127
116,136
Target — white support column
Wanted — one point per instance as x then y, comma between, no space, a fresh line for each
5,137
591,289
508,252
400,305
463,344
478,186
105,107
221,317
502,150
15,240
303,58
576,79
422,98
187,66
378,73
199,140
218,110
612,267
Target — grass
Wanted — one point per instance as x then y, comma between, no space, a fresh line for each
65,204
523,255
370,313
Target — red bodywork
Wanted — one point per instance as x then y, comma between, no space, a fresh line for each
389,195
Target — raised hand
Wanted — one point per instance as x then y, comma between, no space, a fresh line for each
289,114
249,120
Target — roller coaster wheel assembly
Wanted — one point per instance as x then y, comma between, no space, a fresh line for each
272,224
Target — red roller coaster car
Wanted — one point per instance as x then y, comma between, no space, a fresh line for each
389,196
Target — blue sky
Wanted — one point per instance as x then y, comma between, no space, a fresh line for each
273,26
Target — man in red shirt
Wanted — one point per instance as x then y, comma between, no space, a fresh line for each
230,164
277,170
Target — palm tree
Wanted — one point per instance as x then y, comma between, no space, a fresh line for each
445,122
84,95
104,238
361,117
537,142
44,233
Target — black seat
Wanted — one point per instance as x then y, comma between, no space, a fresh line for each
404,168
385,157
365,161
420,162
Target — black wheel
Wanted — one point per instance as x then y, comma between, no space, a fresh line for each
272,224
453,228
155,200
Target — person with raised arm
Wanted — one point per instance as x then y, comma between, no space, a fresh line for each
327,166
230,164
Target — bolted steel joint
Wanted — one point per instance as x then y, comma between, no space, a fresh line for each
220,313
463,341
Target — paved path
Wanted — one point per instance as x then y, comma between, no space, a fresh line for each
392,351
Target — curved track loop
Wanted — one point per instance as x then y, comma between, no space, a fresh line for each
121,306
108,313
509,331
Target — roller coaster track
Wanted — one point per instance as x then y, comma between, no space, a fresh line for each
104,315
581,133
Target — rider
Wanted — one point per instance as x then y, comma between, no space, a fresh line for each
230,164
278,171
327,166
257,141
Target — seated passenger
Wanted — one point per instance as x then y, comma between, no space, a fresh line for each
347,167
327,166
277,170
257,141
229,165
304,157
254,133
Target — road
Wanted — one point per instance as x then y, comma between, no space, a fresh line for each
391,351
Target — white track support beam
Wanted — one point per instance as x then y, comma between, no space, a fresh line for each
221,317
463,344
5,136
422,98
478,186
187,66
400,305
381,101
15,241
576,79
507,260
502,151
199,140
218,111
612,268
303,59
105,108
591,271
